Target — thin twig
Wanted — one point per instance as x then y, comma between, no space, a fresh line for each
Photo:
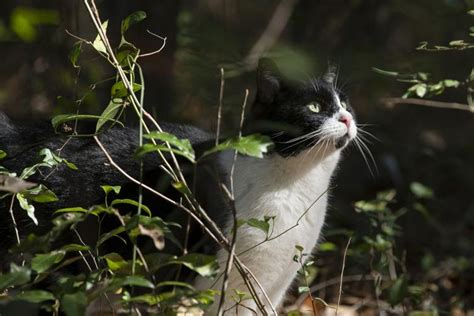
17,233
231,197
230,257
391,102
342,274
159,49
219,109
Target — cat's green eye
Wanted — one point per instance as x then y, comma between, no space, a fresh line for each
344,105
314,107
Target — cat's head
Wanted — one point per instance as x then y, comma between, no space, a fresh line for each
300,115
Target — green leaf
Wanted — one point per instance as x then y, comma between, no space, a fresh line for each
98,43
42,262
131,202
385,72
119,90
451,83
17,276
115,261
2,154
299,248
40,194
179,146
74,304
204,265
420,90
35,296
114,232
30,209
110,112
303,289
109,188
421,191
327,246
71,210
398,291
74,247
262,225
75,53
136,280
58,120
132,19
253,145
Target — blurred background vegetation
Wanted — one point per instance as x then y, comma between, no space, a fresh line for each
432,240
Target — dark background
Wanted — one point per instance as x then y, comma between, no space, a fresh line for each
432,146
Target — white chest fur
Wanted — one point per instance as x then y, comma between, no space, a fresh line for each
293,191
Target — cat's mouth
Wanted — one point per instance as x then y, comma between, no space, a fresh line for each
342,141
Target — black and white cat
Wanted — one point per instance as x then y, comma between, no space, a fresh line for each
310,122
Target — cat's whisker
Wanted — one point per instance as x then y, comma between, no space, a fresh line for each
367,149
356,143
363,149
368,134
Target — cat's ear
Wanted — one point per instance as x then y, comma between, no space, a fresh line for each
269,80
331,73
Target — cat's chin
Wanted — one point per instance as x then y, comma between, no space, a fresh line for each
342,141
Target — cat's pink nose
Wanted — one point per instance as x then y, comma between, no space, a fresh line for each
346,119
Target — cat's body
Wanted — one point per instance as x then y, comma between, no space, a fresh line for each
290,185
309,123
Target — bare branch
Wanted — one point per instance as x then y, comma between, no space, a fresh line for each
342,274
391,102
219,109
159,49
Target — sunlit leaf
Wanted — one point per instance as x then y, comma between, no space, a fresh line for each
2,154
253,145
40,194
262,225
114,261
179,146
71,210
110,113
136,280
110,188
98,43
29,208
303,289
421,191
